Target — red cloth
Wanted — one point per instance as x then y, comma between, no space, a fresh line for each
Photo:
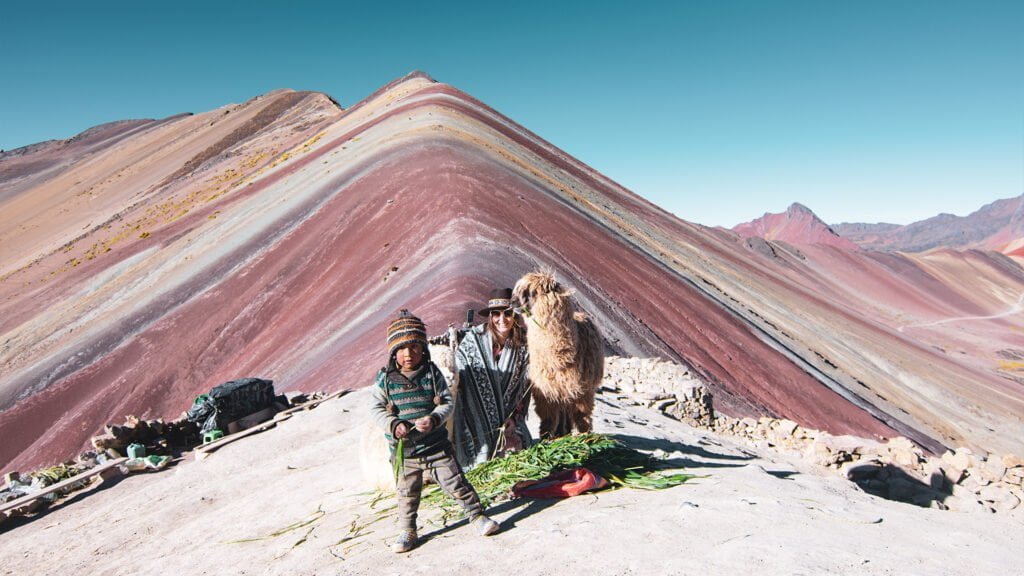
562,484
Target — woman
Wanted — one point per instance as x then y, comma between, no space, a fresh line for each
493,393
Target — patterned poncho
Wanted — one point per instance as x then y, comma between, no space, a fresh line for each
493,399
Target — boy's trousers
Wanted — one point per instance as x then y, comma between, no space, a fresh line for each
447,473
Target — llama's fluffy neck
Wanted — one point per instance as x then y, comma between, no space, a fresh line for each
554,314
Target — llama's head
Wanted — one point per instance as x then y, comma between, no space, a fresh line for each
537,290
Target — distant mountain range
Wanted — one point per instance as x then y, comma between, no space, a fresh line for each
145,262
998,226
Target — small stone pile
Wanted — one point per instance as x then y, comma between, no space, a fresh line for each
897,469
156,435
666,386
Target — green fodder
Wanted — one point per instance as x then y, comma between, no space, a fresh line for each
55,474
603,455
399,461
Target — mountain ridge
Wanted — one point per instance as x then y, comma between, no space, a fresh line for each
998,226
283,254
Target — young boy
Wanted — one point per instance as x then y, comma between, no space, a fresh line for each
411,401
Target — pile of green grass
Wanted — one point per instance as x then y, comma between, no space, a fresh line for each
55,474
620,465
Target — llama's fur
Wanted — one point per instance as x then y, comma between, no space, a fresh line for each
566,355
374,458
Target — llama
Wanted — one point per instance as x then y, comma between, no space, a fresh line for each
566,355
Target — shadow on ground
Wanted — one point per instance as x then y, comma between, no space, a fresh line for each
708,459
893,483
526,508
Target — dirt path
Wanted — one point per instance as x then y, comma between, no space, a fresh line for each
1015,309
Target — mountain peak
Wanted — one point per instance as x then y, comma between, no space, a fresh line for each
798,208
797,225
418,74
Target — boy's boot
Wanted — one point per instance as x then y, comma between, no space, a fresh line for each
406,541
485,526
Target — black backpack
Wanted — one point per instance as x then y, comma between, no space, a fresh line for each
230,401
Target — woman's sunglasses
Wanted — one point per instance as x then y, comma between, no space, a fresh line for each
508,313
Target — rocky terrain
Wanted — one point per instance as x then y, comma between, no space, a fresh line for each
146,262
897,469
292,500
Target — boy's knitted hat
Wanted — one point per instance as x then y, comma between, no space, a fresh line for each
406,328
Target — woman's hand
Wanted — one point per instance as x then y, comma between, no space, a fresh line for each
401,430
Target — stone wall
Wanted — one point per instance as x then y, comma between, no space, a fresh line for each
896,469
666,386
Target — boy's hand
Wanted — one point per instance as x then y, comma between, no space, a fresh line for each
425,424
401,430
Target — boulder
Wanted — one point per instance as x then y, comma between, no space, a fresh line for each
1001,499
1012,461
962,458
108,441
907,458
901,443
826,451
787,427
964,503
1014,476
992,469
974,484
937,477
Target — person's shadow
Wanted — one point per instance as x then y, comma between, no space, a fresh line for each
527,507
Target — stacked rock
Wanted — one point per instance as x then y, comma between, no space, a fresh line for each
896,469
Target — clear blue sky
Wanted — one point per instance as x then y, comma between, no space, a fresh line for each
718,111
